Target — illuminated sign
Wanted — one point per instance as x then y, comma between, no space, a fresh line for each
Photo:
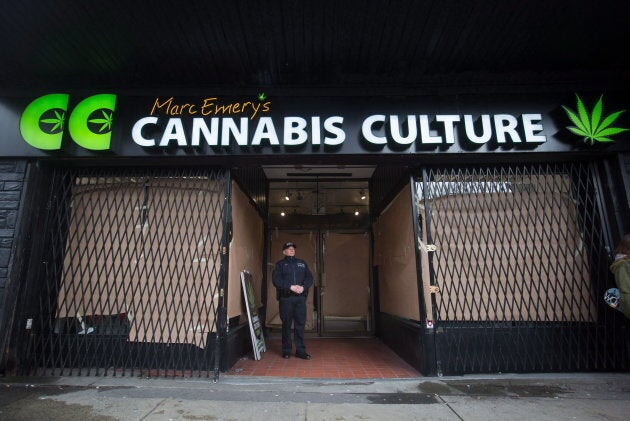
316,130
90,123
594,126
61,124
208,121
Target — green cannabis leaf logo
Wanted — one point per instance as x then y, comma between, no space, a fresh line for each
262,96
591,127
57,122
105,122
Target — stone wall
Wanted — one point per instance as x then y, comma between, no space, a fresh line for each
12,173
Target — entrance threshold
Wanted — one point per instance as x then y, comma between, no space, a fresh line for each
333,358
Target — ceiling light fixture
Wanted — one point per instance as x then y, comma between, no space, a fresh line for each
287,195
362,194
282,213
356,212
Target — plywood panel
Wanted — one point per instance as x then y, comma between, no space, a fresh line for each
396,259
246,251
181,260
101,251
149,252
346,261
512,256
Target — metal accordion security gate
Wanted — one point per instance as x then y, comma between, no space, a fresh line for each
132,274
517,261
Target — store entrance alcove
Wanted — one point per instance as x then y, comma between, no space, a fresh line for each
325,211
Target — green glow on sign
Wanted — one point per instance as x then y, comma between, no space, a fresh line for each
90,123
591,126
42,121
97,139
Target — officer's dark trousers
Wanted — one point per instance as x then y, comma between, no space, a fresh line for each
293,310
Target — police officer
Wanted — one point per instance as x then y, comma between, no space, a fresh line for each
292,279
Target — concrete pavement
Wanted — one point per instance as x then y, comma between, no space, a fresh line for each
572,396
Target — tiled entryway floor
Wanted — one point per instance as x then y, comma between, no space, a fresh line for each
335,358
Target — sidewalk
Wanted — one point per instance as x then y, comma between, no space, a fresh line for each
572,396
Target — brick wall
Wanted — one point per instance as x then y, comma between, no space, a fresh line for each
12,173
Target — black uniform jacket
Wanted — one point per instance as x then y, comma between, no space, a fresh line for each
291,271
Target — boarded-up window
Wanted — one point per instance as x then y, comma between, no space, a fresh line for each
145,252
394,254
246,252
509,247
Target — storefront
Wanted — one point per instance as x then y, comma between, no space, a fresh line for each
470,233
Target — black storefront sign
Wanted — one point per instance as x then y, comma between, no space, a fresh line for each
167,125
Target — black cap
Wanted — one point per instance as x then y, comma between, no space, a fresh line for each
287,245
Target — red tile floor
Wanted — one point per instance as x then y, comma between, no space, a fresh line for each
334,358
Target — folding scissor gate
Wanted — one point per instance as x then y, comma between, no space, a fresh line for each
519,269
131,277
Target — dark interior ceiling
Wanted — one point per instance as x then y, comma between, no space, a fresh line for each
287,44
